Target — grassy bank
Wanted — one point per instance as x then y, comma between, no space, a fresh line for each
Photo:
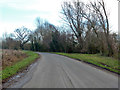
10,57
12,70
108,63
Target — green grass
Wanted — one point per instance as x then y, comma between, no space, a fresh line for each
12,70
96,59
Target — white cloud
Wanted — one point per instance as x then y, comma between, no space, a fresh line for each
38,5
10,27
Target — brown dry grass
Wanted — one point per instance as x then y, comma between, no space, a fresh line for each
0,59
10,57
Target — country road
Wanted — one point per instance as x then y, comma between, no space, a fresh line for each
55,71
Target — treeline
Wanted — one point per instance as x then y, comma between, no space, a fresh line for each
46,38
87,31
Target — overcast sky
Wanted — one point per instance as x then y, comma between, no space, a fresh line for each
17,13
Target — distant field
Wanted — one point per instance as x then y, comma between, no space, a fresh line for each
14,61
96,59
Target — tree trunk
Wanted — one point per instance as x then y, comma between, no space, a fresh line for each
21,46
110,51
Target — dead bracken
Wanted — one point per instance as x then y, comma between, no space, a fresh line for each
10,57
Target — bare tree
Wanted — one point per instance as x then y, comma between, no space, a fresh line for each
101,13
22,35
72,15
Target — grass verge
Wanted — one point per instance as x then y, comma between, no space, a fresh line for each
107,63
12,70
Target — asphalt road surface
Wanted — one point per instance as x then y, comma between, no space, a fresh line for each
55,71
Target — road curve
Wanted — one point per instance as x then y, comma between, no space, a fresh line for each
55,71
